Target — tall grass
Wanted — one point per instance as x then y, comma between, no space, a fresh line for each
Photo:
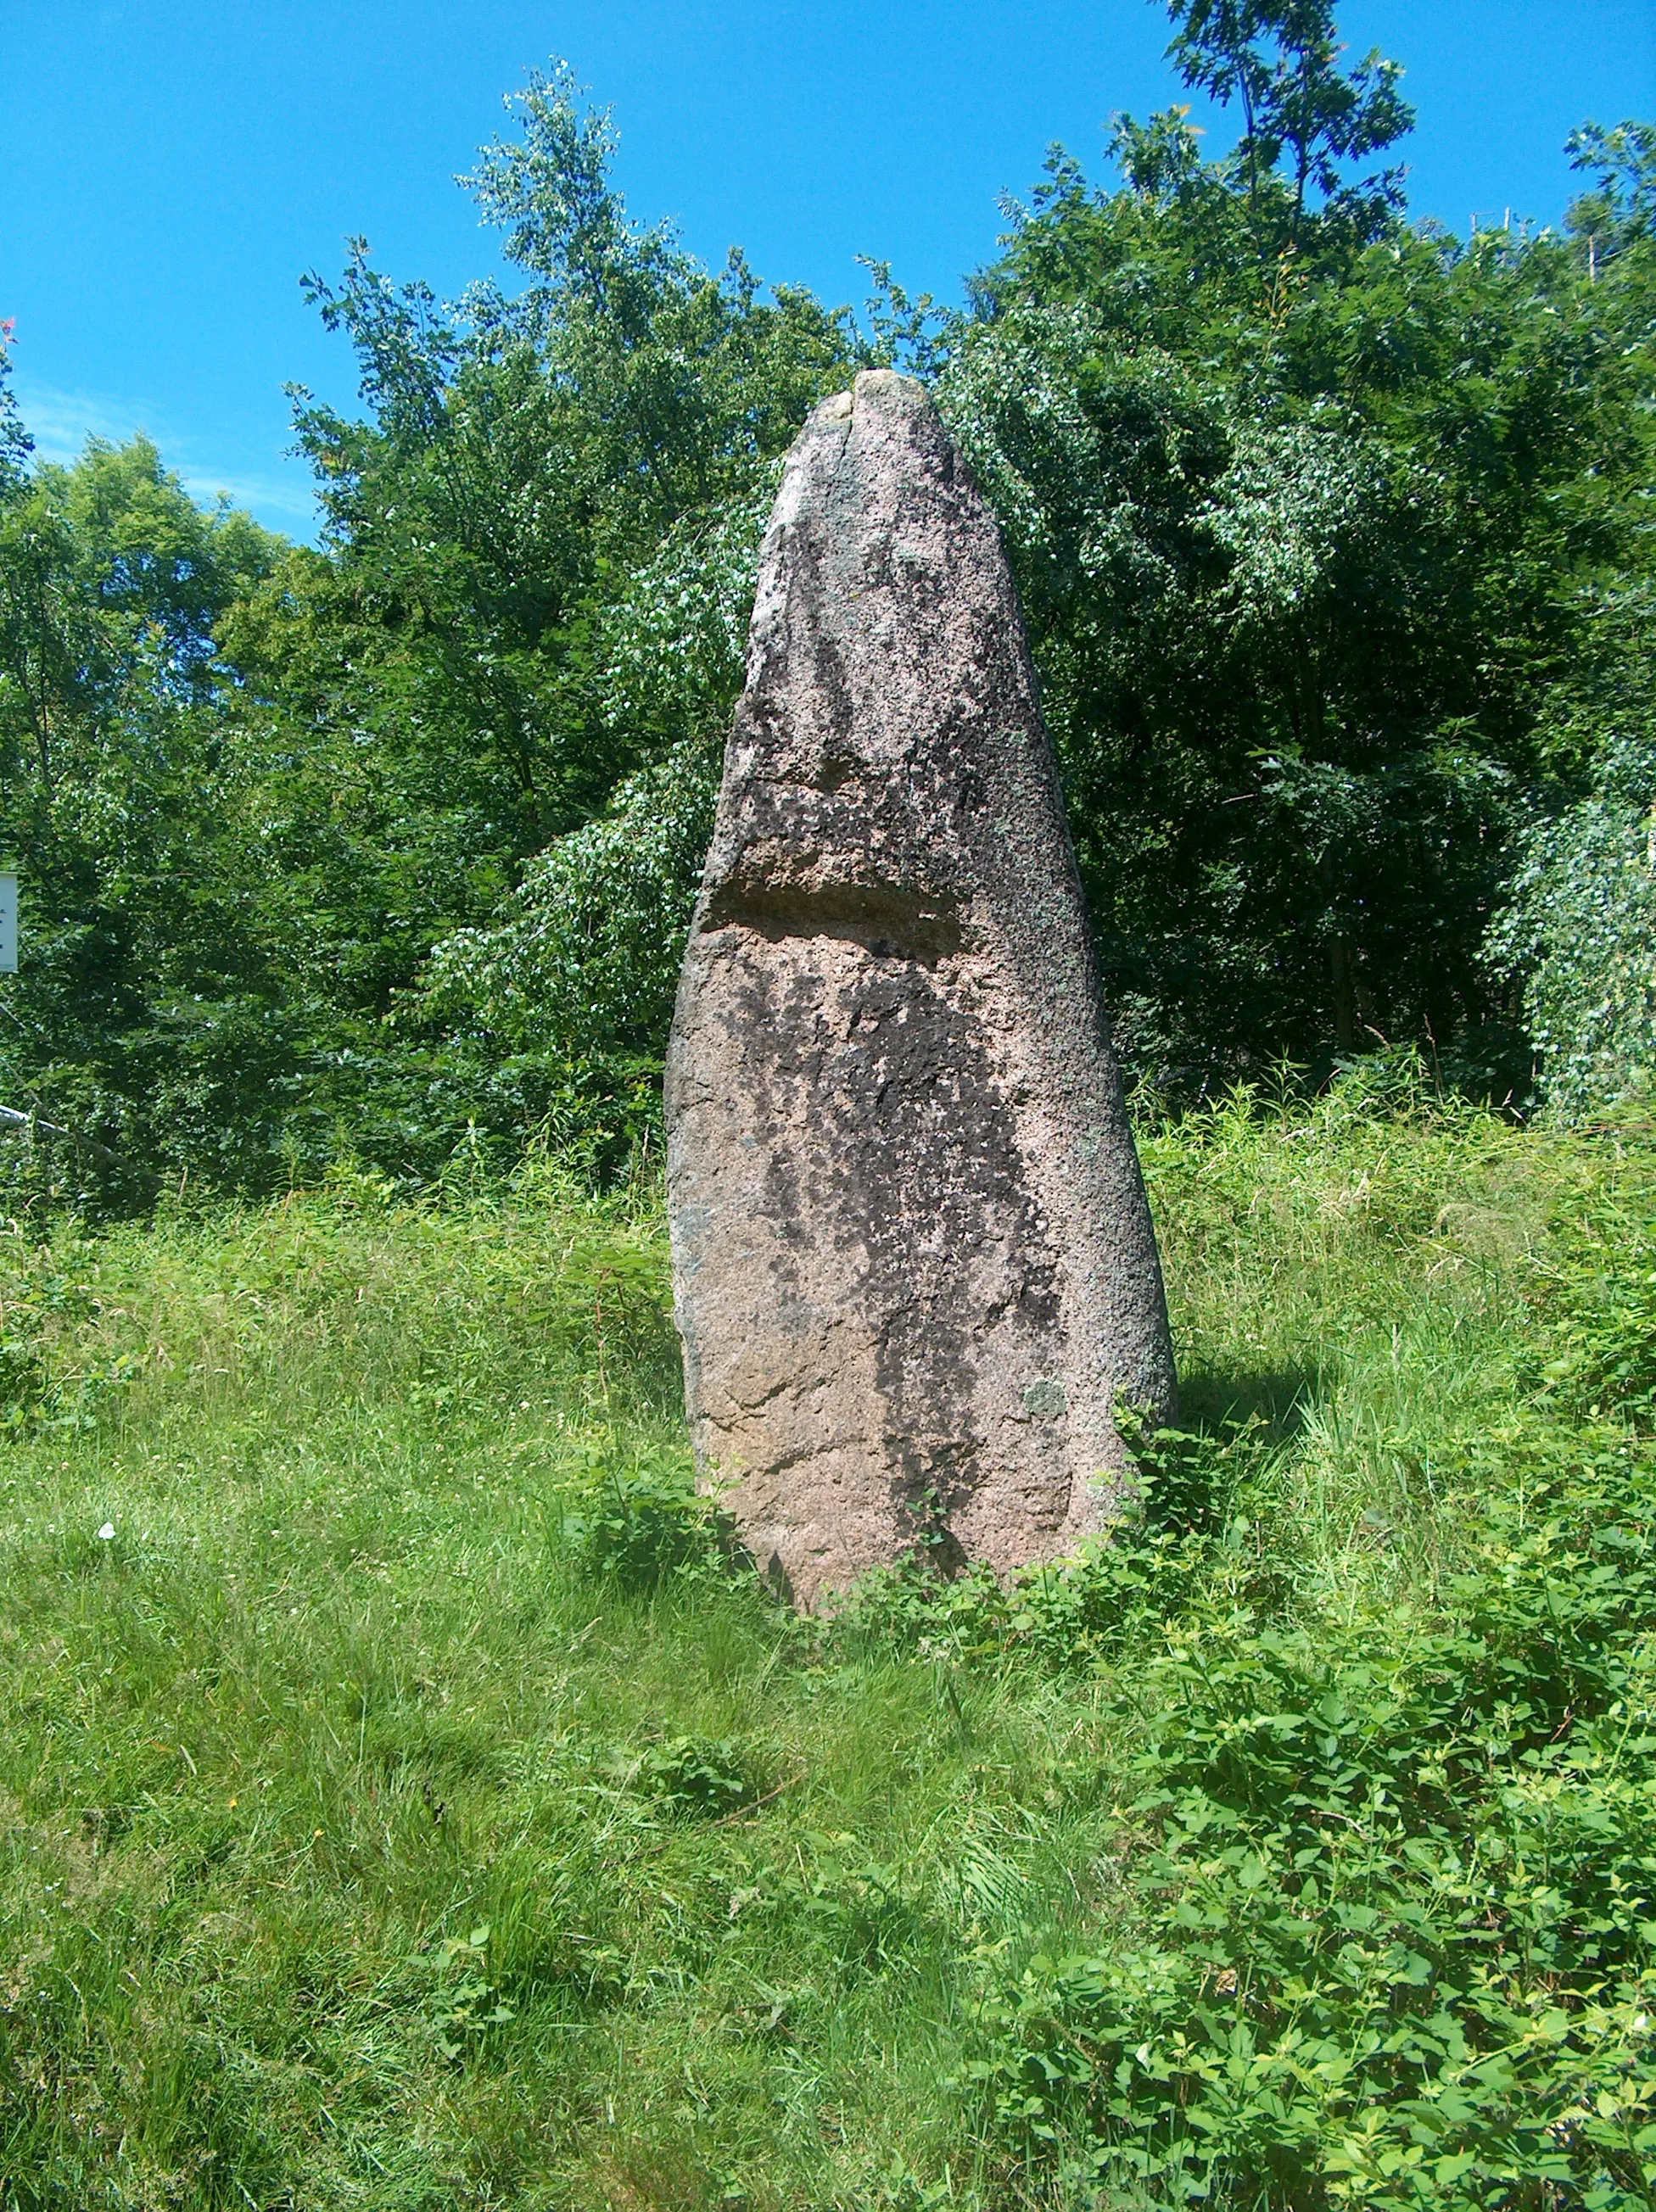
409,1805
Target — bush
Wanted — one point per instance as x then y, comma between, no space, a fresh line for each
1073,1614
1384,1930
1579,926
48,1380
584,959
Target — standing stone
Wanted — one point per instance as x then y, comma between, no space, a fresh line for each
913,1262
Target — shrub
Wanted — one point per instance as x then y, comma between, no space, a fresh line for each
1384,1935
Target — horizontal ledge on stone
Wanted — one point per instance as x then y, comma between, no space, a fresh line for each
882,917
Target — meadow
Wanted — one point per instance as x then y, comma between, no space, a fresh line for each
408,1800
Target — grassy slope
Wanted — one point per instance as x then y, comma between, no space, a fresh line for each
363,1843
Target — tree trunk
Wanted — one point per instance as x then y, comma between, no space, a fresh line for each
1341,982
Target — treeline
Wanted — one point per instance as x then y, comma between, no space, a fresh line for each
1334,536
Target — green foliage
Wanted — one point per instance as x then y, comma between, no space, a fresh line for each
45,1299
1311,547
1578,927
1330,533
640,1519
1303,117
507,528
257,785
695,1777
146,1001
1574,928
411,1800
1599,1306
1388,1934
1177,1520
1218,606
1619,212
15,443
584,960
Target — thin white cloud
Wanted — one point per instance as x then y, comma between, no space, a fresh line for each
262,495
60,423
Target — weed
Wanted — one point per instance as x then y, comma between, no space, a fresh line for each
414,1803
638,1517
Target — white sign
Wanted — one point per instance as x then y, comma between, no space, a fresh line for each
8,921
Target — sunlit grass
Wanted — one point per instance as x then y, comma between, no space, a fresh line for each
338,1866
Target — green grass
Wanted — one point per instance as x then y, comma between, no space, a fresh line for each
407,1806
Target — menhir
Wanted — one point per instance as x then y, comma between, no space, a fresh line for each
913,1263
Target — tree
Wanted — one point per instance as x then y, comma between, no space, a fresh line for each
1302,116
264,781
1623,208
116,765
1305,539
15,443
526,455
1330,534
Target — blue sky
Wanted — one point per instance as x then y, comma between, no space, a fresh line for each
167,170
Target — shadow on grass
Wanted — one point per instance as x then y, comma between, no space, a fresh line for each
1214,1398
